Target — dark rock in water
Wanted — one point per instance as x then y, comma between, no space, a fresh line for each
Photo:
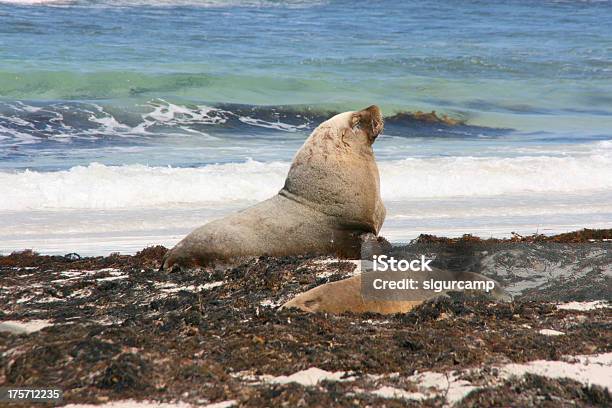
425,117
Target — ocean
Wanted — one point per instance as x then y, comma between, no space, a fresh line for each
129,123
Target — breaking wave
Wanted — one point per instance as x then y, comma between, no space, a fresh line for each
24,123
98,186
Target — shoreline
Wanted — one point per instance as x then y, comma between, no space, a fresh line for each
105,244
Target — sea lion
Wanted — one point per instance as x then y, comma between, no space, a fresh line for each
349,295
331,196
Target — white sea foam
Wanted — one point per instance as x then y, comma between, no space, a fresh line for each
271,125
107,187
99,186
16,137
470,176
169,113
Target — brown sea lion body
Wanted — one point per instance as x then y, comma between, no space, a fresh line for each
331,196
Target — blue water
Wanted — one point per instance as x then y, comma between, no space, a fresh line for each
192,84
541,68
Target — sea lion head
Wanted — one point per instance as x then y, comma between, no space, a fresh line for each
368,121
355,127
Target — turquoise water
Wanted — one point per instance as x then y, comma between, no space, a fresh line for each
533,66
98,98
